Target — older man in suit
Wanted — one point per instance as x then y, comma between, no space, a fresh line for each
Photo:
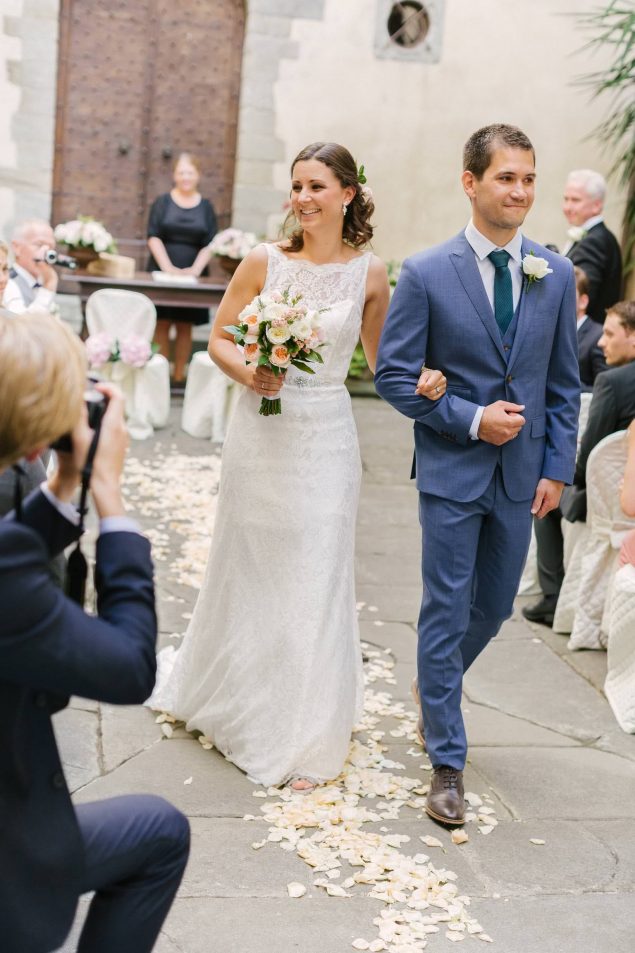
32,282
496,312
131,851
591,245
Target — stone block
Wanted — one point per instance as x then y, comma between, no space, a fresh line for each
305,9
77,734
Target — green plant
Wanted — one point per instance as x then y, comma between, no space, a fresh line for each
359,369
613,26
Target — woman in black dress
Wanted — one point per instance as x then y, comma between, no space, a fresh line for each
180,228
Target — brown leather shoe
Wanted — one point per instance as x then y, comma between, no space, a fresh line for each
414,688
445,801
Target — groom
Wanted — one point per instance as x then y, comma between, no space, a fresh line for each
500,444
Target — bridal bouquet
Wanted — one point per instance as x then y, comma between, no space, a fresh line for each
278,330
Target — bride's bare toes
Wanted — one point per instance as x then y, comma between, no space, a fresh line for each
302,785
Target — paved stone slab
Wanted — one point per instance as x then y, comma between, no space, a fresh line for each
527,679
308,925
77,733
126,731
590,923
218,788
395,603
572,783
399,637
487,726
619,838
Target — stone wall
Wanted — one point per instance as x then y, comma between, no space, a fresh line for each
28,73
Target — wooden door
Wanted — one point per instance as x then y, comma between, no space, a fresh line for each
138,82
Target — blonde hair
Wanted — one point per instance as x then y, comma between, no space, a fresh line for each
42,379
188,157
4,249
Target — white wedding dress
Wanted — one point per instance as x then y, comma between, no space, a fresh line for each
270,667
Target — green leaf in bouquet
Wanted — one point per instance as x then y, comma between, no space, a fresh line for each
315,356
263,360
303,367
234,329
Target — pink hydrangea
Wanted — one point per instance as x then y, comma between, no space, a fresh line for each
135,350
99,348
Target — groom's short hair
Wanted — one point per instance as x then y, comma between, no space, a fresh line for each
478,150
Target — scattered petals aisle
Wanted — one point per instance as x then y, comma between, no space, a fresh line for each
340,830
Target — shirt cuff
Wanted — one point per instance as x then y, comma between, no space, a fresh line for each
44,299
68,510
119,524
476,423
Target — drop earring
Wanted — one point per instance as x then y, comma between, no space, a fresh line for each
344,207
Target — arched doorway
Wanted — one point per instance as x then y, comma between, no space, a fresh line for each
138,82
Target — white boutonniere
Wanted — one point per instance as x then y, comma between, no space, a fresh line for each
576,233
535,268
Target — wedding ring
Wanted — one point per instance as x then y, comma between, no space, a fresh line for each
437,389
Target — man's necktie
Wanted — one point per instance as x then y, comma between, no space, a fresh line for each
503,294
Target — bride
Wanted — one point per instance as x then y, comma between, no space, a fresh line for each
270,668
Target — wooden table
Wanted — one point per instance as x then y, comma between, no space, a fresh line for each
206,293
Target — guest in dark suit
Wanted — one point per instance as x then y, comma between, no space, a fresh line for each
32,282
592,246
590,357
130,850
612,409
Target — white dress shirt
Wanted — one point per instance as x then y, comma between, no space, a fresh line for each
12,298
482,246
109,524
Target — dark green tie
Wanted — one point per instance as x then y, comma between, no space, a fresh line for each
503,294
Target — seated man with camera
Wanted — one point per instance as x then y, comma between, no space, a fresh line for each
32,279
130,850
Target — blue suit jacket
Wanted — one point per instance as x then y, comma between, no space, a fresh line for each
50,649
440,315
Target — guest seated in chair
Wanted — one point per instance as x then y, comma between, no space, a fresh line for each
131,851
612,409
32,283
590,357
627,499
181,226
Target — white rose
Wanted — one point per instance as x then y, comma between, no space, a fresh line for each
251,339
301,330
535,267
278,335
273,311
576,233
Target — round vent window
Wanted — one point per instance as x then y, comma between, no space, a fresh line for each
408,23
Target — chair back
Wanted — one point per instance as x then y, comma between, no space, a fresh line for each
604,473
120,312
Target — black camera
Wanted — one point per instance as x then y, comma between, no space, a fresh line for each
51,257
96,404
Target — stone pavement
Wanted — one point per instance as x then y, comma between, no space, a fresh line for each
545,754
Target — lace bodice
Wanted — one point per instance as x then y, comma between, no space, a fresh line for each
340,287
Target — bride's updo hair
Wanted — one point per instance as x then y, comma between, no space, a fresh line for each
356,230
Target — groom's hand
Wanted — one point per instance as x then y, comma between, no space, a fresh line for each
501,422
547,498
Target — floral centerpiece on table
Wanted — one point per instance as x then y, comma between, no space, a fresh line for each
277,330
231,245
84,232
132,350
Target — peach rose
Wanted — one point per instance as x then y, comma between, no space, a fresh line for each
280,356
252,353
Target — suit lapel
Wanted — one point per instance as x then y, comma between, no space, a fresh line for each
526,308
464,261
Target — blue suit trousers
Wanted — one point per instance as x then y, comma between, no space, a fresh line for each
136,850
473,556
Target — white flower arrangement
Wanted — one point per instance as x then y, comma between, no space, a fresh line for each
535,268
85,232
233,243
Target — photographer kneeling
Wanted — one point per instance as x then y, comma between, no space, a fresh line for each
130,850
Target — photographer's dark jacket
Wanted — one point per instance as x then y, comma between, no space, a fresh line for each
51,649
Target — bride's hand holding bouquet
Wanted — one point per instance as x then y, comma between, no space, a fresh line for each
276,331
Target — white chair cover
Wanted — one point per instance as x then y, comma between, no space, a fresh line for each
620,680
594,559
147,389
209,399
529,584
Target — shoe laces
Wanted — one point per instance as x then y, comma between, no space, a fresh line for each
450,779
